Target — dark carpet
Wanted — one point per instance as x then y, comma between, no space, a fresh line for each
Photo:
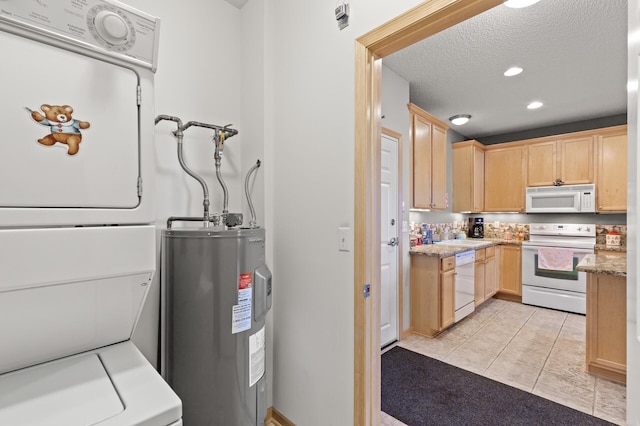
419,390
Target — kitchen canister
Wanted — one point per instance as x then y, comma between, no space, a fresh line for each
613,239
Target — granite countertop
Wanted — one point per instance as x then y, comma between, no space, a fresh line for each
442,249
609,264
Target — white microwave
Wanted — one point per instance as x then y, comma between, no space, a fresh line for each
561,199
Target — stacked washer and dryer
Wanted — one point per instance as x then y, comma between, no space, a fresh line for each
77,240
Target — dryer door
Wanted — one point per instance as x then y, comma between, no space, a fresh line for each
70,135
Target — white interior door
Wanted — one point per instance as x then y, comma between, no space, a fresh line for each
389,243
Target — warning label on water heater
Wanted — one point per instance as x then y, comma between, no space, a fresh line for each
257,355
241,319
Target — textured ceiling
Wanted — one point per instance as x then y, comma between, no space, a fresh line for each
574,55
237,3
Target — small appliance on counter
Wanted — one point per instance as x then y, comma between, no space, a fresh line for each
476,227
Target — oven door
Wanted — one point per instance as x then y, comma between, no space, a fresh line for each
532,275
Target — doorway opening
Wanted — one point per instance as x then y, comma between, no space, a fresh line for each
418,23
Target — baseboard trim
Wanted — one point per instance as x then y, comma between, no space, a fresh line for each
406,333
275,418
509,297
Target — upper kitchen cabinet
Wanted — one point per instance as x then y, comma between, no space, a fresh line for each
428,160
566,161
575,159
468,177
504,178
542,169
611,171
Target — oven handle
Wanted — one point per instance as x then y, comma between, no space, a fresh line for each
576,250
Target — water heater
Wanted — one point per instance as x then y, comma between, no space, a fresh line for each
217,293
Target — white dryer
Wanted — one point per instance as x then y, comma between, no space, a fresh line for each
77,240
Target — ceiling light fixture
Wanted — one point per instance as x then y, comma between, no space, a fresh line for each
534,105
518,4
512,71
460,119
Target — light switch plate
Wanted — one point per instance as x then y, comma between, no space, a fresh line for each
496,224
344,239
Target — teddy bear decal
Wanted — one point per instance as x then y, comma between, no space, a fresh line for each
64,128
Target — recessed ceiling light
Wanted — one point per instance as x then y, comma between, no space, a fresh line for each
534,105
512,71
460,119
518,4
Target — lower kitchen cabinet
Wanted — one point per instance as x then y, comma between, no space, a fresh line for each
432,294
509,258
607,326
485,275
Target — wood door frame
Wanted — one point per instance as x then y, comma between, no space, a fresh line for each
400,264
412,26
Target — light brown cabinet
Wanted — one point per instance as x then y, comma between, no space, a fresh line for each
448,292
607,326
611,173
509,260
542,167
432,294
494,178
428,160
485,275
575,159
505,179
468,176
566,161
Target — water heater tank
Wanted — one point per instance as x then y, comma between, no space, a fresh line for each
217,292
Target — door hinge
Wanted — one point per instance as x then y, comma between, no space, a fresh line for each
139,186
367,290
139,95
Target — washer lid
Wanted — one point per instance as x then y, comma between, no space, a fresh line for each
75,391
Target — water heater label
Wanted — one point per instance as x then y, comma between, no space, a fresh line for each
257,355
241,320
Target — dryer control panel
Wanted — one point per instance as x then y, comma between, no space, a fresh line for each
108,27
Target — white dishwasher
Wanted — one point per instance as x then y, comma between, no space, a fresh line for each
465,284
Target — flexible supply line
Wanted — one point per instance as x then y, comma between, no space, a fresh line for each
252,222
180,135
219,142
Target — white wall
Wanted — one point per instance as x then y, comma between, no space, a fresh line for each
313,181
633,346
257,131
198,78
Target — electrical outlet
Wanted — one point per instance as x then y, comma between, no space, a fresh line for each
496,224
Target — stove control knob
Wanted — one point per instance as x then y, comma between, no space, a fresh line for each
580,228
588,229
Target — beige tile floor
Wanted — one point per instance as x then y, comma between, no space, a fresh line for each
538,350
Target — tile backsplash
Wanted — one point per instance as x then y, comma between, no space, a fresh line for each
602,230
449,230
507,231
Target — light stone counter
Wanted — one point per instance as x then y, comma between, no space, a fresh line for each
608,264
443,249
